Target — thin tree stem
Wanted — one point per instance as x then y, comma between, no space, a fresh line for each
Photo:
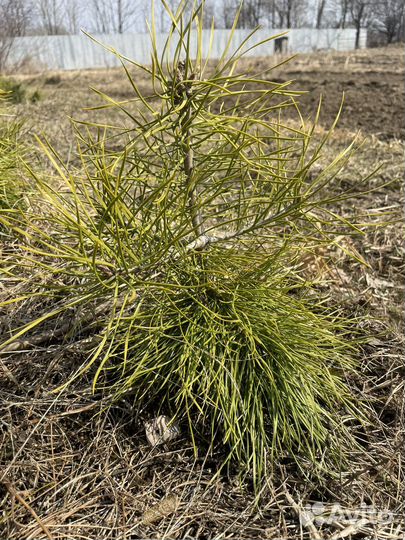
191,186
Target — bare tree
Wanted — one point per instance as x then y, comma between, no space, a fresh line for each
359,11
209,14
271,13
290,13
388,18
124,10
114,16
251,13
51,16
344,11
15,17
319,12
229,9
99,16
162,19
336,14
73,16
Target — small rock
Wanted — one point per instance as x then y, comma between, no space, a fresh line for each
161,430
157,512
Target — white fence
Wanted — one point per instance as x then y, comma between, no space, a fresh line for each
80,52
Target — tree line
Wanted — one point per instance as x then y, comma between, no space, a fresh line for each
384,18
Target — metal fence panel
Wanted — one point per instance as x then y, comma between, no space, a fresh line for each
72,52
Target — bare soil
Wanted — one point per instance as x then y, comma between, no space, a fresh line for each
370,81
71,470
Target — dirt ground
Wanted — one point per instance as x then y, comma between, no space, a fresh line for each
67,472
371,81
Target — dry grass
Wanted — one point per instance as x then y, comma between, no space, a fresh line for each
71,470
82,474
